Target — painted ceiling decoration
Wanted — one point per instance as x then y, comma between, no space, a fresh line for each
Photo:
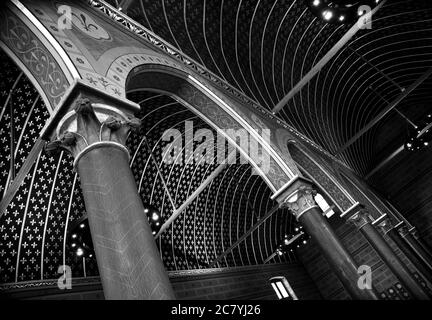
264,48
39,225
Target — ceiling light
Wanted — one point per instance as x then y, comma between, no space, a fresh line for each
74,236
421,137
79,252
341,11
82,225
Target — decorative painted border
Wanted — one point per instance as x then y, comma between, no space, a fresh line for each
33,54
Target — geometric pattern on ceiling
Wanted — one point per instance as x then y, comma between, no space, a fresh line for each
33,229
264,48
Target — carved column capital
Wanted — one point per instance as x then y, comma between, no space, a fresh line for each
88,119
360,218
386,225
301,201
297,195
404,231
357,215
414,233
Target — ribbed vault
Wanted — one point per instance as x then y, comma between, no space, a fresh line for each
264,48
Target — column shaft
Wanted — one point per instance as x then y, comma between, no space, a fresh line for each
128,259
419,249
393,262
410,254
335,253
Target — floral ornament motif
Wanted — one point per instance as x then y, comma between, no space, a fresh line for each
87,25
304,201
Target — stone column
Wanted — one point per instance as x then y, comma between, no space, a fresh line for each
393,231
361,220
93,127
298,196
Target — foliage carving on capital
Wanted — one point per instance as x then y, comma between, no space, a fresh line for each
89,124
386,225
302,200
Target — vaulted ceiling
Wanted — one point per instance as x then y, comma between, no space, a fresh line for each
264,48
